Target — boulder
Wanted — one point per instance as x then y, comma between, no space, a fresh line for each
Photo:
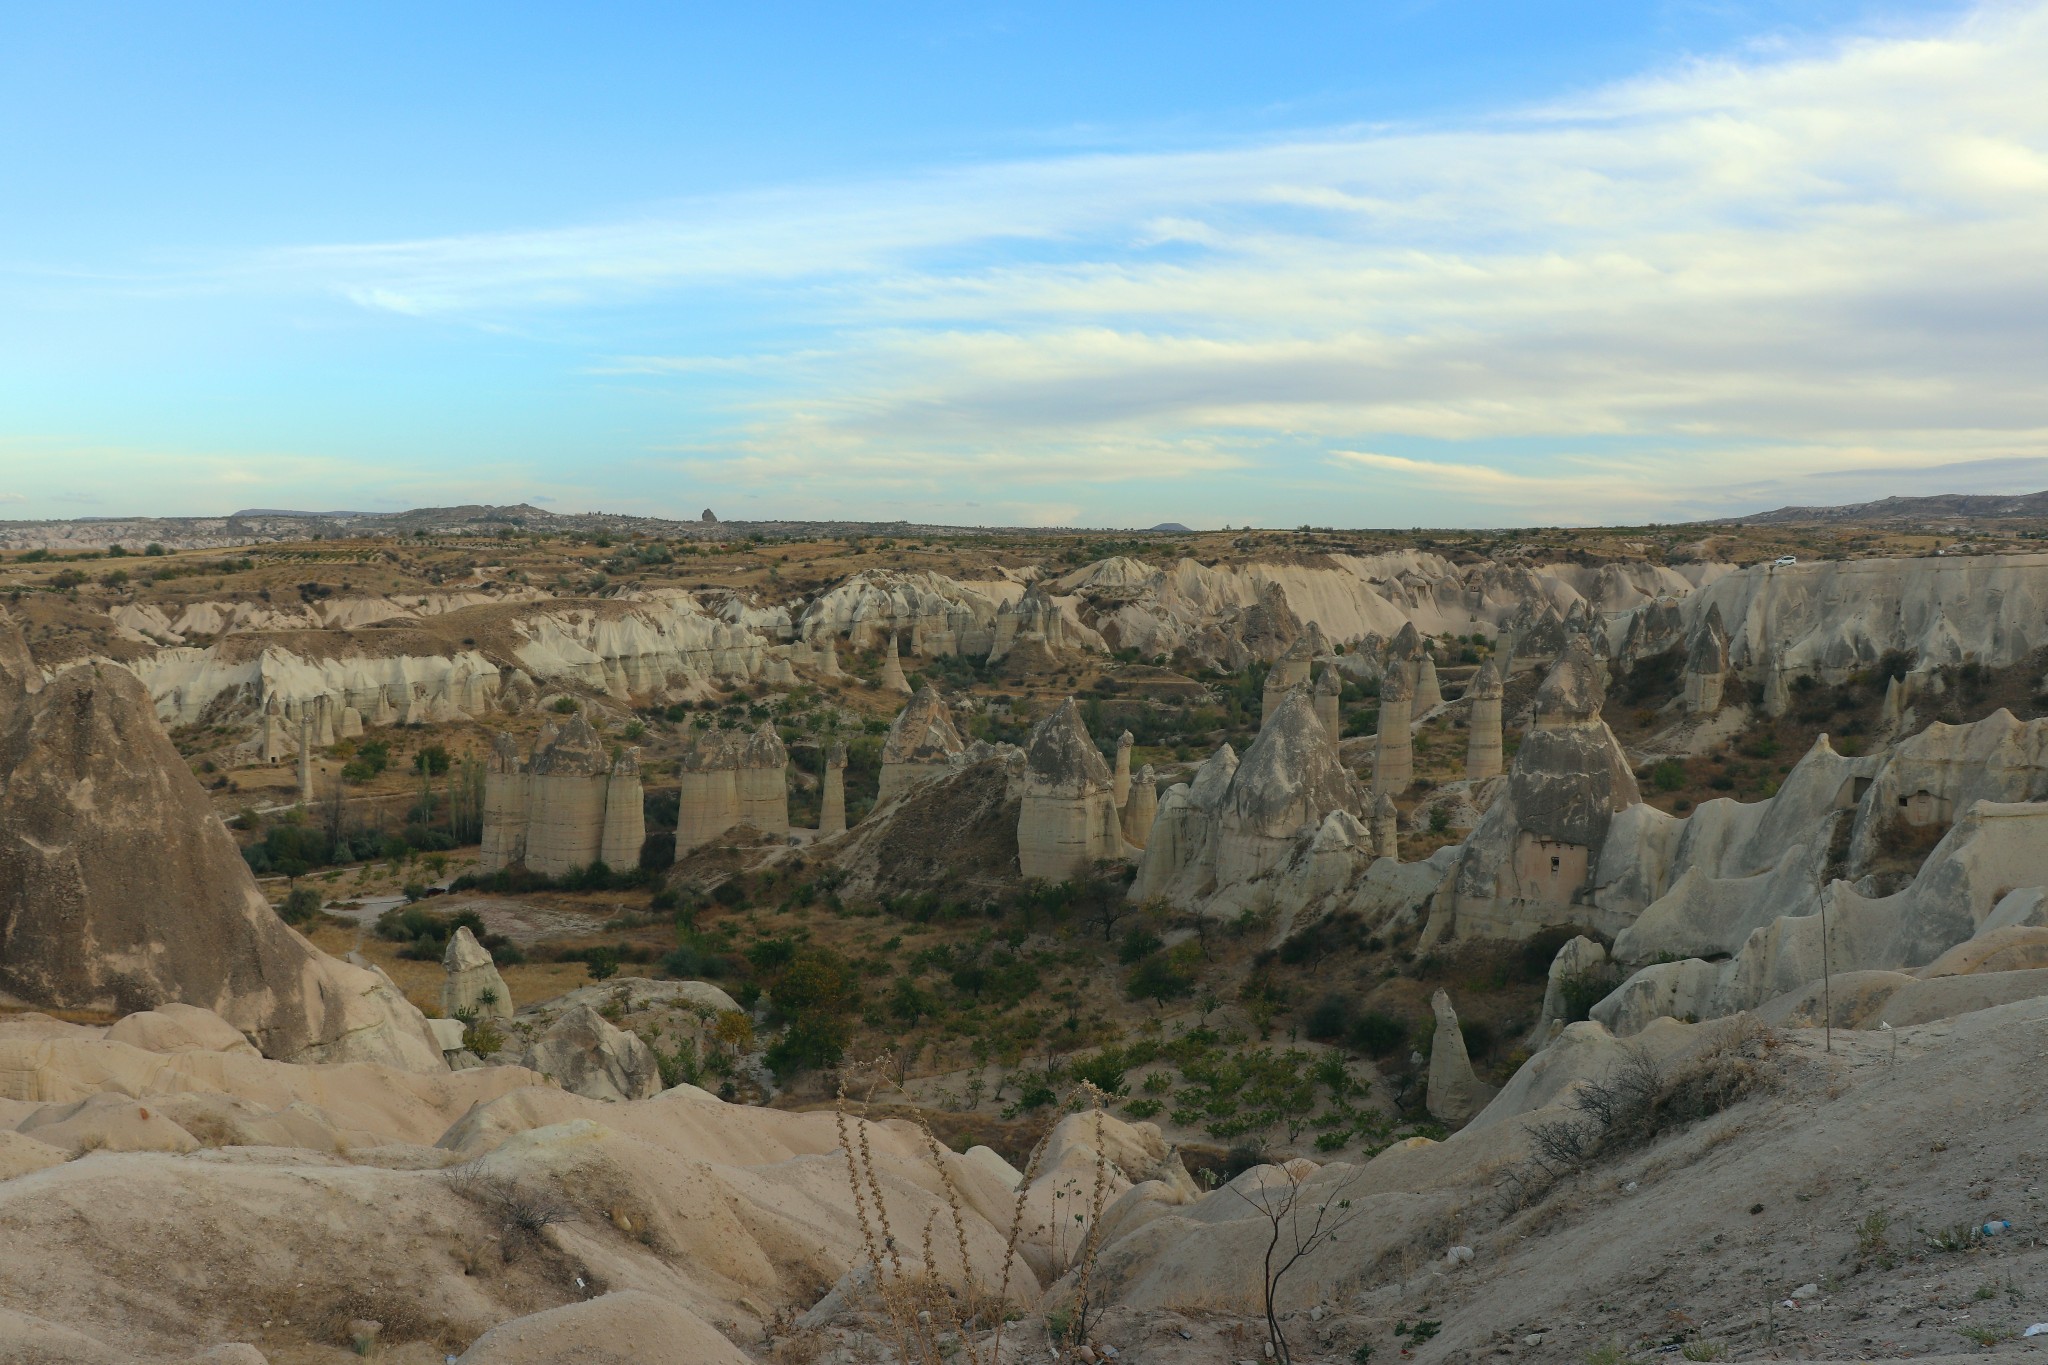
175,1027
626,1327
583,1053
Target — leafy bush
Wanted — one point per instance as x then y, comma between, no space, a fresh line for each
369,760
1160,977
1137,945
1331,1018
811,1042
1377,1034
1668,776
301,905
1105,1071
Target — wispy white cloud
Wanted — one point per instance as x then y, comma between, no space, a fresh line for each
1750,273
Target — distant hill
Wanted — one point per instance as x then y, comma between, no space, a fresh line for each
1170,526
1944,507
260,526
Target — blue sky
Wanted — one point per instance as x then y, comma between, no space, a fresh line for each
1398,264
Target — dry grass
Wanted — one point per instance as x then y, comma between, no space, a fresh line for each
931,1324
1638,1101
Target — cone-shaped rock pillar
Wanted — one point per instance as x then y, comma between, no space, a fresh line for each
1069,820
1482,742
832,803
1455,1093
892,671
1141,808
1394,768
1329,692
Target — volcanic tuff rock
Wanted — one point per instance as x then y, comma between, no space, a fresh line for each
472,982
588,1057
1833,618
1483,742
121,891
922,742
1217,840
1531,857
1069,818
1291,777
1455,1094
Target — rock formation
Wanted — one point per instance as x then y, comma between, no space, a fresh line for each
272,743
305,763
1120,776
1289,671
472,985
1290,779
505,804
832,800
892,671
1833,618
1530,861
1035,630
1179,864
1455,1094
1069,819
1981,878
762,783
586,1056
625,814
1386,826
566,801
1394,764
1218,842
1706,666
569,806
1927,778
922,743
1141,808
1428,692
1482,735
1580,963
707,782
936,614
1329,694
19,673
120,890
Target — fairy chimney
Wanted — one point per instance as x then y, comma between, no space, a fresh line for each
1394,768
1482,743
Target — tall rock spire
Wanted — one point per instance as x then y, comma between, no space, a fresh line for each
1483,744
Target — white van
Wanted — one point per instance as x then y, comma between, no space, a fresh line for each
1786,561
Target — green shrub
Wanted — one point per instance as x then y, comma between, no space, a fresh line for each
1331,1018
1105,1071
1668,776
1377,1034
301,905
812,1042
